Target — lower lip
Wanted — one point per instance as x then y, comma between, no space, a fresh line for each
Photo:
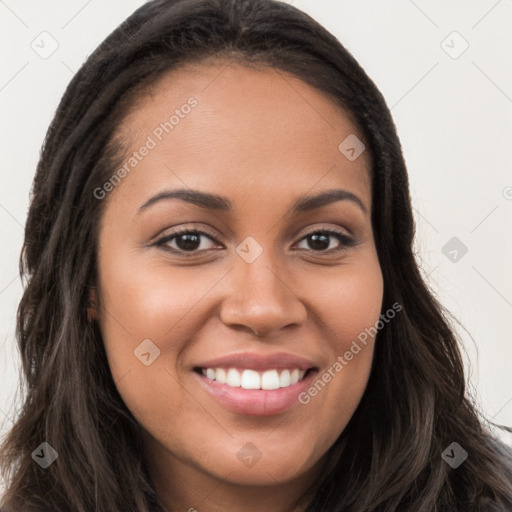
256,402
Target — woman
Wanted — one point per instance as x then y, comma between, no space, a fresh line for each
223,308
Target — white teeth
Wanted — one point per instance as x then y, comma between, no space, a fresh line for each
219,375
284,379
251,379
270,380
233,378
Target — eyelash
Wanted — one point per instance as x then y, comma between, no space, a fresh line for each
345,240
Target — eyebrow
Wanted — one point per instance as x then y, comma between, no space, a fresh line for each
219,203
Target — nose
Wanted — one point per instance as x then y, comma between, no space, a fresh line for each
260,298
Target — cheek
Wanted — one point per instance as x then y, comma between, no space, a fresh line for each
151,302
351,301
349,310
157,304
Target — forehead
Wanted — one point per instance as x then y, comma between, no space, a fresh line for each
248,127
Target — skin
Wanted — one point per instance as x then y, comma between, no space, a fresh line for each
262,139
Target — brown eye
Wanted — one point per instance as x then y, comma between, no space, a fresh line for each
321,240
186,241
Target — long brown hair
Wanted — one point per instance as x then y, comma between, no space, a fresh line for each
388,458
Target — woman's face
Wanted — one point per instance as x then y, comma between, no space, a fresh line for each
259,291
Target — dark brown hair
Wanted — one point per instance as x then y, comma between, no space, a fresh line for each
388,458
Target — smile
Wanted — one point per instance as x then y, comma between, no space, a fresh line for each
256,384
252,379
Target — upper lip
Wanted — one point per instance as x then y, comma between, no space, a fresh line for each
259,362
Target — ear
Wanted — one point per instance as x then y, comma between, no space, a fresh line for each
92,310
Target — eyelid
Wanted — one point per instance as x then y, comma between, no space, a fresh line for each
326,229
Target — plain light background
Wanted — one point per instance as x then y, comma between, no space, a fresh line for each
452,106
